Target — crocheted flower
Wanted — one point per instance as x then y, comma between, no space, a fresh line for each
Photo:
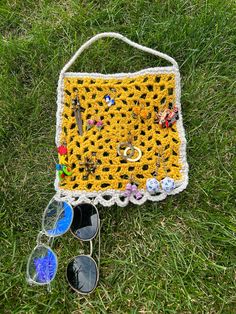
62,150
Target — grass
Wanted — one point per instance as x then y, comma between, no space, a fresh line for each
176,256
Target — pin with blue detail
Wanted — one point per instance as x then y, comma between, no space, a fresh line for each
110,101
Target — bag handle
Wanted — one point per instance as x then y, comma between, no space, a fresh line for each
123,38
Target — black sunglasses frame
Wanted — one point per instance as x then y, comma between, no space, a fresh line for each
97,265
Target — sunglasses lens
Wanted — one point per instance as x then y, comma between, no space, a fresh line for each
85,222
82,274
57,218
42,265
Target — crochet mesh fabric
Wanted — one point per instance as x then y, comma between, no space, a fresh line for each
154,93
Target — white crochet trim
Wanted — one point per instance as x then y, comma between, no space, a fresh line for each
111,197
160,70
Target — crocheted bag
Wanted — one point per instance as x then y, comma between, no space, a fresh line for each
120,137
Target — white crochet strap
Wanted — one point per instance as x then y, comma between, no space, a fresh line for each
121,37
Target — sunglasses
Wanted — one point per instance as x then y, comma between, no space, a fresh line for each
82,271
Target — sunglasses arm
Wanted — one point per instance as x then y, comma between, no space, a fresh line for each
99,246
91,248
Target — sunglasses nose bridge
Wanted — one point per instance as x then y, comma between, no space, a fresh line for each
48,240
41,234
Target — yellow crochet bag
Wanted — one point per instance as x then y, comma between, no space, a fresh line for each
120,137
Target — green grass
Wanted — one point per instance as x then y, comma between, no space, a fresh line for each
176,256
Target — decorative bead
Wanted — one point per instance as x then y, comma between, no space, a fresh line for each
138,195
62,150
61,175
168,184
58,167
132,189
153,186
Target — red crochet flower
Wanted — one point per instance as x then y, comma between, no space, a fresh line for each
62,150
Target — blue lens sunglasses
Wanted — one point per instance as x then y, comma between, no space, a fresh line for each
84,223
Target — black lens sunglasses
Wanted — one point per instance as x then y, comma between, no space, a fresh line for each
82,271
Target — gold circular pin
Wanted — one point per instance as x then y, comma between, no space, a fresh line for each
134,159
